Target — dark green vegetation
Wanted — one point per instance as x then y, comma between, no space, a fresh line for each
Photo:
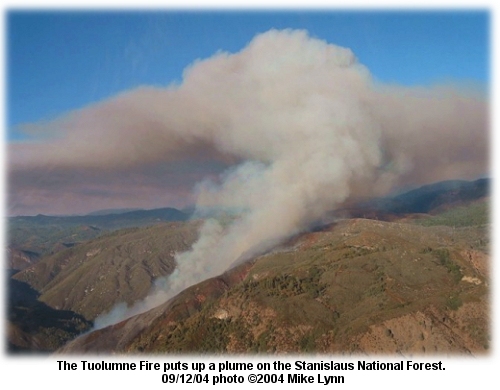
429,198
32,325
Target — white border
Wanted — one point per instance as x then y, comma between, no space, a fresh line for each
460,373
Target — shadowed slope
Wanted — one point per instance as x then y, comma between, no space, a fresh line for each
119,267
34,326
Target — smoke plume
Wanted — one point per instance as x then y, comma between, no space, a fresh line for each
287,129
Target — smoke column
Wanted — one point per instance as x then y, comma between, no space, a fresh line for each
302,127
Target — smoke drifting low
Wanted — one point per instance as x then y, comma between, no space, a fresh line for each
288,128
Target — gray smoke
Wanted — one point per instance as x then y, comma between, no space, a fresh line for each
297,127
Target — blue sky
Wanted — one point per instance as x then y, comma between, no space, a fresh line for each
60,61
151,147
57,62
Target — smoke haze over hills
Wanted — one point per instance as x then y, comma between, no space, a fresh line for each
286,129
285,103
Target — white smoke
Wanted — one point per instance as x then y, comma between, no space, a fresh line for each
192,267
303,128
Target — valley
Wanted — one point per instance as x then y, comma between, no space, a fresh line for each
407,275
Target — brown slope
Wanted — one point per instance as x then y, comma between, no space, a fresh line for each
91,278
189,302
18,259
361,286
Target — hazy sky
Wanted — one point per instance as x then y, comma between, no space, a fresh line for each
59,61
101,112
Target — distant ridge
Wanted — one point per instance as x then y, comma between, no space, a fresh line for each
399,268
112,211
430,198
44,234
109,221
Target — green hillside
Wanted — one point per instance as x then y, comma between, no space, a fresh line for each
91,278
475,214
361,286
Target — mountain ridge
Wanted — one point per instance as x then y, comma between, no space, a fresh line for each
323,292
88,278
